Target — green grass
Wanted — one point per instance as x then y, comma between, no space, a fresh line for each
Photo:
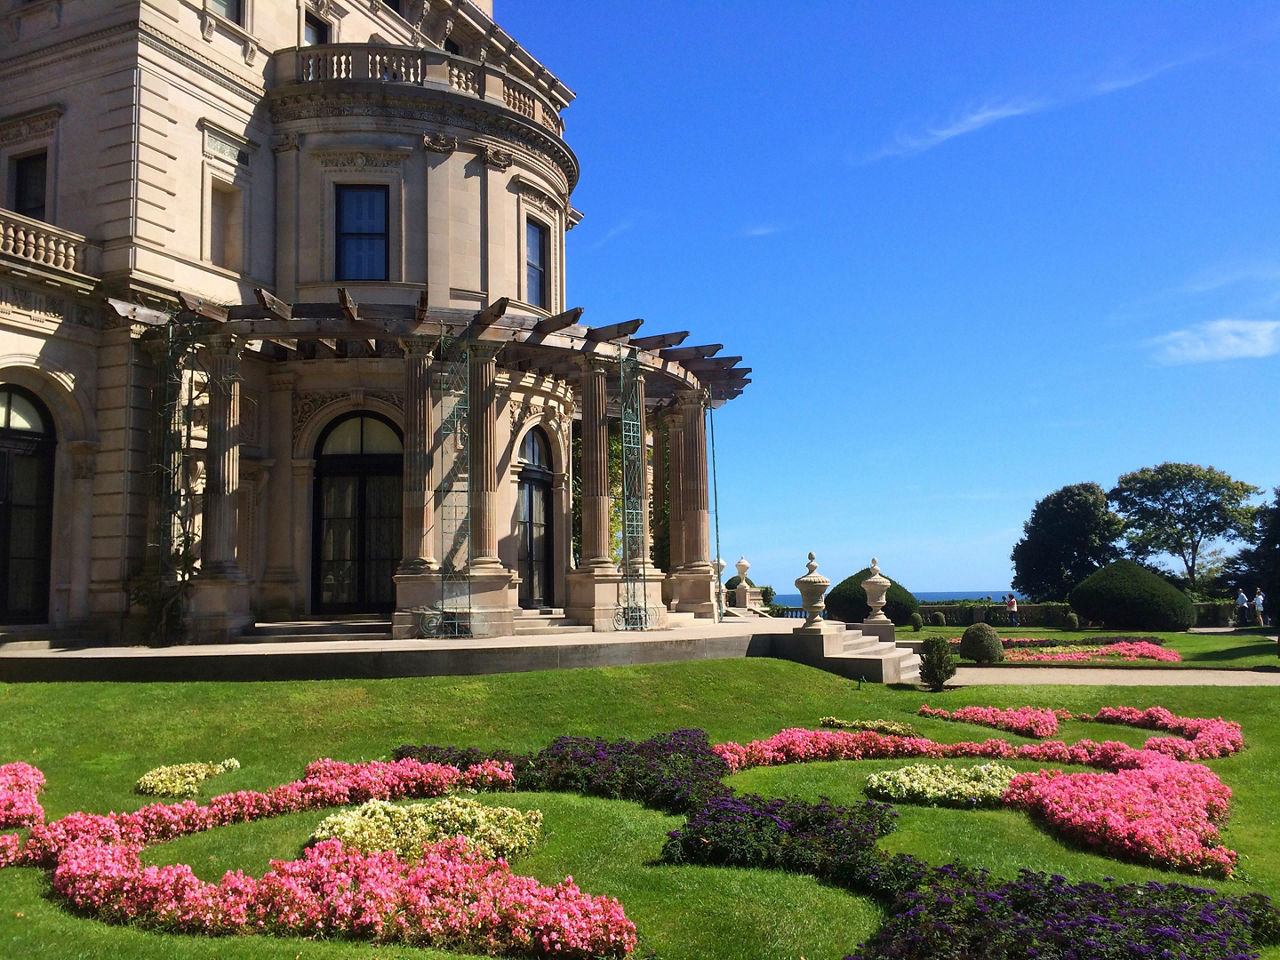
93,740
1249,649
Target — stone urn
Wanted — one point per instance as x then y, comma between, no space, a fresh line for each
812,586
742,567
876,587
741,597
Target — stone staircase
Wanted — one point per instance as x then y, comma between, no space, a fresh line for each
850,653
546,621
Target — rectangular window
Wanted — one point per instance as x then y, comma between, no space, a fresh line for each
363,242
315,31
535,264
28,175
226,226
233,10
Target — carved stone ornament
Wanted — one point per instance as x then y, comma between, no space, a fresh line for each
359,160
538,199
498,159
283,142
812,586
43,305
29,126
439,142
308,405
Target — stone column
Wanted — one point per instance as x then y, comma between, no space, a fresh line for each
279,579
83,454
595,468
657,498
482,429
675,502
222,461
416,548
695,576
219,608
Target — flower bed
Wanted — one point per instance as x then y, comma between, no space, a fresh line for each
404,830
1090,653
943,785
959,912
890,727
1027,721
181,779
20,783
1022,642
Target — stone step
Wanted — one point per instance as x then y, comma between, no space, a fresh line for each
529,630
302,637
539,612
342,628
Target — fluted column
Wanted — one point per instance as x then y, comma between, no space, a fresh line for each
697,515
675,489
222,461
482,429
279,575
595,466
658,487
415,552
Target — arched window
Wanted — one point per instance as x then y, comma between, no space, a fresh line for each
27,442
356,523
534,521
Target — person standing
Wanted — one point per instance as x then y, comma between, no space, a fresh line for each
1242,608
1011,607
1258,599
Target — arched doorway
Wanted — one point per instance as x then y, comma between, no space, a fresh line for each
533,523
356,523
27,441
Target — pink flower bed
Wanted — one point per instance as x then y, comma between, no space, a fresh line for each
1151,804
452,898
1122,651
1027,721
19,784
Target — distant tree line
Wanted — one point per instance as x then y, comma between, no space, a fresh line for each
1178,511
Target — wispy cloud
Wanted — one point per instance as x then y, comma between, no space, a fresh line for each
1218,340
760,229
907,142
617,230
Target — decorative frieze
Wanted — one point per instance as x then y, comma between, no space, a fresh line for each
44,306
220,144
439,143
539,199
359,159
32,125
309,404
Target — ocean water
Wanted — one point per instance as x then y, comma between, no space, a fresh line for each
924,596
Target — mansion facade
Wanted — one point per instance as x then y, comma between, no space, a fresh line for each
283,335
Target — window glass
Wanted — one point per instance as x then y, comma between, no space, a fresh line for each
231,9
344,438
535,247
29,185
535,450
315,32
362,232
380,438
361,435
22,413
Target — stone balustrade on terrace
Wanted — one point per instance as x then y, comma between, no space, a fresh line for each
45,245
420,68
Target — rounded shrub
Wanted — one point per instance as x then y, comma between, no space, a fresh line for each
937,619
981,644
1071,621
937,663
847,601
1127,596
732,582
917,622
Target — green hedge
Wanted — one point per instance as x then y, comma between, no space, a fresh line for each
1127,596
965,612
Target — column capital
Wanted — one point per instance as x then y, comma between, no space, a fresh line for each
484,350
591,364
418,348
226,344
689,398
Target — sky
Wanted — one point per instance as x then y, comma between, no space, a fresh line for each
973,252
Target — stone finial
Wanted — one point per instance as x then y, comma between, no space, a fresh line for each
812,586
742,567
876,587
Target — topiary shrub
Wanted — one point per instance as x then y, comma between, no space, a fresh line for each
732,582
937,663
1071,621
917,622
1128,596
766,594
847,601
981,644
937,619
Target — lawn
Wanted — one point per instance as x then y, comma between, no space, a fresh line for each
1248,649
94,740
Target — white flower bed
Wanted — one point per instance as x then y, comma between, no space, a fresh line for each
942,785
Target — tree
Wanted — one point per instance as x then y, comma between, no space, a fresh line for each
1258,565
1071,533
1176,508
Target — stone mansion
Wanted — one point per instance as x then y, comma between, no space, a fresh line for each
283,335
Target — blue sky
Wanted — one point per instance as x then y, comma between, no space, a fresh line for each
973,252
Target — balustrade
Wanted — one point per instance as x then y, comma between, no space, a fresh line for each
46,245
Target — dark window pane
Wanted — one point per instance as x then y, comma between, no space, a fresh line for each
29,185
231,9
315,32
362,233
535,254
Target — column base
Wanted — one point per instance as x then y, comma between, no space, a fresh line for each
219,610
693,590
476,604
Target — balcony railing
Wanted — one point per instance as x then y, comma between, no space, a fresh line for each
45,245
416,67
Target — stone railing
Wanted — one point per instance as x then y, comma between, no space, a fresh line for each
45,245
414,67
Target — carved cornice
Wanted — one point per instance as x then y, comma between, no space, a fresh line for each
418,107
358,159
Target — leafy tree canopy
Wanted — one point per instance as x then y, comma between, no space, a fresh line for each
1258,564
1176,508
1071,533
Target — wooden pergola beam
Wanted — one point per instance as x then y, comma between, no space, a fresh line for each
350,309
709,364
273,304
691,353
202,308
614,330
561,320
491,314
660,340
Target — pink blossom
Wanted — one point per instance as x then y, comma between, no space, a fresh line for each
19,784
1027,721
